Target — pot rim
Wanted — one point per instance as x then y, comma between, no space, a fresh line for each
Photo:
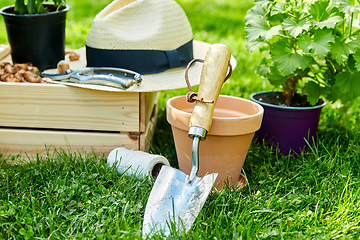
252,97
2,11
260,112
221,126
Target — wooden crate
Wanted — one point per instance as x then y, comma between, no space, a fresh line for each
33,116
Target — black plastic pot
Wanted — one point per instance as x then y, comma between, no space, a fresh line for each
36,38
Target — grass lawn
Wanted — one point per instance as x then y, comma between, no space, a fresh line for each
73,195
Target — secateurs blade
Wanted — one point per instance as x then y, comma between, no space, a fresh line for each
112,77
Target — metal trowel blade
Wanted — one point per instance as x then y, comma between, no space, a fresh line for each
174,203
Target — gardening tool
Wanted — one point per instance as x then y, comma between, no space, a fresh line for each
112,77
176,198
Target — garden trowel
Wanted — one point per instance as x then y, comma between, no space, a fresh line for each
177,198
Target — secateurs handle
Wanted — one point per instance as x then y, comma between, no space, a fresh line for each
212,78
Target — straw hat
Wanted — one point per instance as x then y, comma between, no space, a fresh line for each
151,37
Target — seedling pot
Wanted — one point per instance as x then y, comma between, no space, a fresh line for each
235,121
36,38
288,128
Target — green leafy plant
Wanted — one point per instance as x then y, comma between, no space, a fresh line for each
35,6
308,45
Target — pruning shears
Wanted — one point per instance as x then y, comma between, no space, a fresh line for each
112,77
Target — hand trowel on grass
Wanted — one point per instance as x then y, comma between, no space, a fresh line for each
176,198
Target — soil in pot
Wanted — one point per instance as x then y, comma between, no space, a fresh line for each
278,98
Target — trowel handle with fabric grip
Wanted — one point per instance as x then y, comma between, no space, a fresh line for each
213,74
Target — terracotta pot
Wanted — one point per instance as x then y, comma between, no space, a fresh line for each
224,150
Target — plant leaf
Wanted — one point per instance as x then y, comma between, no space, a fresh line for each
255,28
20,6
31,6
255,44
318,10
40,8
313,90
263,69
347,6
334,94
61,3
275,77
259,27
321,42
279,7
357,59
262,1
295,28
272,32
342,48
304,41
329,22
287,59
256,10
348,83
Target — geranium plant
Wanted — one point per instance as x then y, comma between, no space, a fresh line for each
35,6
311,46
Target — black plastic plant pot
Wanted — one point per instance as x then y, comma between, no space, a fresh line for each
36,38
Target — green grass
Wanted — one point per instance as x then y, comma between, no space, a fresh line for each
73,195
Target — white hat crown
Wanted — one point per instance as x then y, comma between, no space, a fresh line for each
151,37
140,24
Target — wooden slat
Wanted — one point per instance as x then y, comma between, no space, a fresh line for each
147,137
152,109
14,141
148,105
142,116
61,110
54,106
151,104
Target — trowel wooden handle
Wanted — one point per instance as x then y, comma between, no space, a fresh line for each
213,74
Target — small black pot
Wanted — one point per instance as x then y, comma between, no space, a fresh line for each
36,38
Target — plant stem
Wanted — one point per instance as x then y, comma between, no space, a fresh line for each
351,23
290,89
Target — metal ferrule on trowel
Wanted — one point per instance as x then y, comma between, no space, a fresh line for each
197,134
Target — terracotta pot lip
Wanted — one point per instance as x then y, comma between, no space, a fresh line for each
252,97
221,126
4,13
259,112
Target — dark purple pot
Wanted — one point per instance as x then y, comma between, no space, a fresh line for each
288,128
